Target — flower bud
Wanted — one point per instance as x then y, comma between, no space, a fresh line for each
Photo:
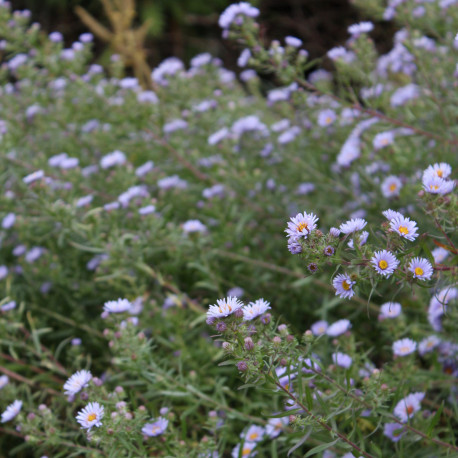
276,340
238,313
227,346
210,320
283,362
265,319
221,326
242,366
282,329
289,338
249,344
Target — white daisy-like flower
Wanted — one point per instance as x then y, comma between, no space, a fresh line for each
433,184
319,328
407,407
247,450
118,306
255,309
301,225
338,328
77,382
384,262
390,310
91,415
391,186
354,225
224,307
342,359
391,214
404,347
442,170
11,411
421,268
405,227
428,344
343,286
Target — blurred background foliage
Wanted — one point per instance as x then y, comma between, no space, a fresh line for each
184,28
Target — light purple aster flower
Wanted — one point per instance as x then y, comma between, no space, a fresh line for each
391,186
405,227
255,309
194,225
301,225
390,310
404,347
342,359
319,328
254,433
112,159
383,139
77,382
406,408
343,286
421,268
275,426
156,428
11,305
428,344
224,307
338,328
394,431
11,411
117,306
38,175
384,262
354,225
8,221
361,27
144,169
91,415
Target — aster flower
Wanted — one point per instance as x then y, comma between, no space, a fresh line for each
405,227
11,305
11,411
329,250
224,307
118,306
3,381
293,41
246,452
338,328
8,221
384,262
390,310
234,14
255,309
194,225
326,117
404,347
112,159
391,186
433,184
391,214
334,232
301,225
421,268
156,428
406,408
428,344
319,328
394,431
440,254
90,416
354,225
38,175
361,27
383,139
294,246
442,170
77,382
438,306
342,360
343,286
275,426
253,434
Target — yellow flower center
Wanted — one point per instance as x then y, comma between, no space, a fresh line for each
91,417
403,230
418,271
409,409
328,120
302,226
253,436
383,264
392,187
440,173
246,451
433,187
345,285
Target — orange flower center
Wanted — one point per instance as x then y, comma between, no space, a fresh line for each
253,436
440,173
383,264
418,271
91,417
409,409
345,285
392,187
302,226
403,230
246,451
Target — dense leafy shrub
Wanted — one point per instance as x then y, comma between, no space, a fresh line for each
128,213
